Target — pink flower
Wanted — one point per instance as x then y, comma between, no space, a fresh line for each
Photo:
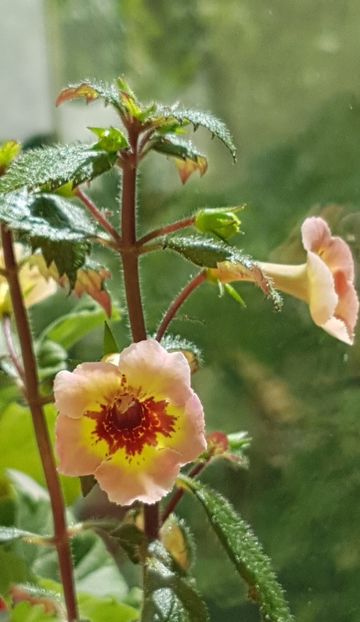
325,281
132,421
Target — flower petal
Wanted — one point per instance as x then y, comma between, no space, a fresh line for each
159,373
146,479
86,388
322,295
77,452
315,233
188,438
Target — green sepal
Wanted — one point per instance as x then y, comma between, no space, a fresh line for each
244,550
49,168
110,139
187,158
168,595
220,221
234,294
197,119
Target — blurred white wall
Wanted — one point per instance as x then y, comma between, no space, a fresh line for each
25,106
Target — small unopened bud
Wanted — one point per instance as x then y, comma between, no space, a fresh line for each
221,221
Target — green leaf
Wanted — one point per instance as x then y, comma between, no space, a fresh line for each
198,119
91,90
187,158
10,534
109,343
106,609
8,152
13,570
49,168
244,551
201,251
169,595
27,612
193,355
51,358
70,328
111,139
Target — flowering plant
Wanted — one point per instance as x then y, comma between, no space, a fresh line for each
130,426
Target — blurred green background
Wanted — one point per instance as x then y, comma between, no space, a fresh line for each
284,77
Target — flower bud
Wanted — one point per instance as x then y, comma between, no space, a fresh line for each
221,221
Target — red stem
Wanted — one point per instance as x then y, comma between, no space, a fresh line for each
98,215
180,224
40,427
198,468
6,324
178,302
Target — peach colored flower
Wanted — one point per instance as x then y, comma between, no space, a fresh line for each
34,286
132,421
325,281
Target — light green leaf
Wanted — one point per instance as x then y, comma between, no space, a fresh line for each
70,328
8,152
13,570
106,609
27,612
49,168
244,551
198,119
10,534
110,139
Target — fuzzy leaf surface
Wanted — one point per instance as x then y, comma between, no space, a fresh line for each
198,118
187,158
49,168
244,550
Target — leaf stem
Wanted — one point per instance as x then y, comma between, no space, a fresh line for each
41,431
98,215
175,226
178,302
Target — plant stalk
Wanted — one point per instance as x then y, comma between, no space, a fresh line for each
178,302
33,397
130,262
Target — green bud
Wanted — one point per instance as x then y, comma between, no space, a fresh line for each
221,221
111,139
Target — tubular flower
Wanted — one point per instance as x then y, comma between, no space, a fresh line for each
325,281
34,286
132,421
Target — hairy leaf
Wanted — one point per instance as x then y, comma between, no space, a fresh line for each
91,90
187,158
169,595
49,168
244,550
197,119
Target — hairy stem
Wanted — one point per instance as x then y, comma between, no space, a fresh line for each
178,495
98,215
178,302
41,431
6,326
130,261
175,226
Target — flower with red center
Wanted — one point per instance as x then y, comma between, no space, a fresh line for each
132,421
325,281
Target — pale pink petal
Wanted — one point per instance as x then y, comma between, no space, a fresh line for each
337,328
76,448
189,439
126,484
315,233
88,387
322,295
159,373
348,306
337,255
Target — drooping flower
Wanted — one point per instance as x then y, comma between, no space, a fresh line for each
325,281
131,420
34,286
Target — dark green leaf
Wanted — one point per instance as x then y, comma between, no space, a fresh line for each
244,550
198,119
13,570
49,168
68,257
187,158
169,595
51,358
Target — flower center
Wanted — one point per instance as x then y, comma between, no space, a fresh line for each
130,423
